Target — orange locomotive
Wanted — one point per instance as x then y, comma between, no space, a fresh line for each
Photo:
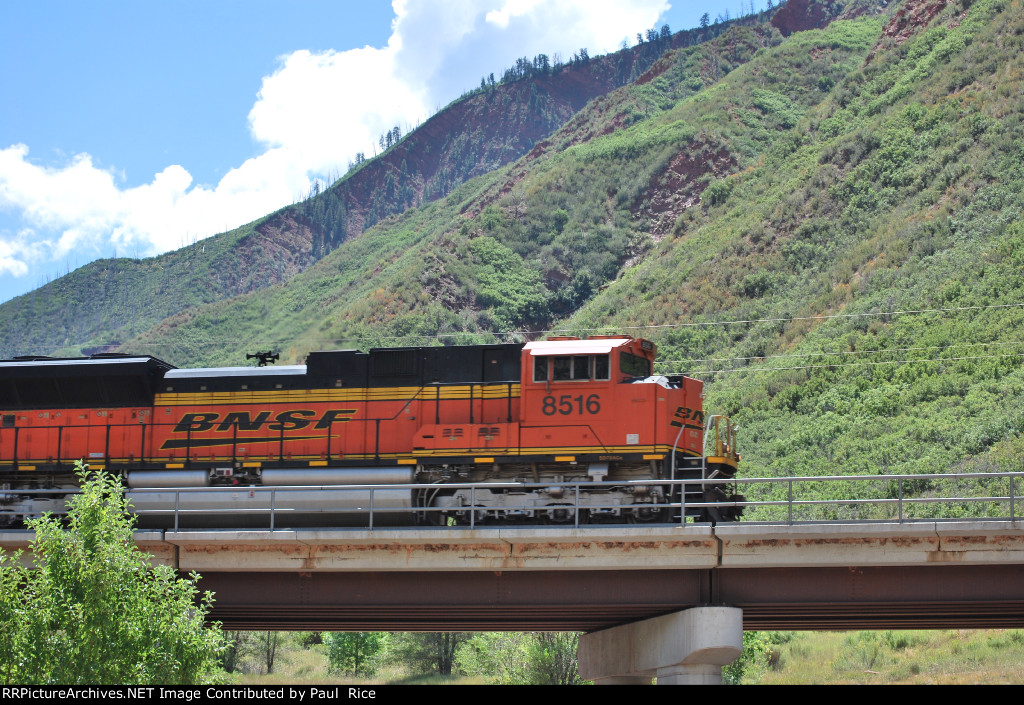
427,420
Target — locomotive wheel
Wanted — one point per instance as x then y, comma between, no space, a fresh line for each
642,515
710,515
714,514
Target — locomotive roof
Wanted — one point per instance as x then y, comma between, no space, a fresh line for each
101,381
597,346
75,365
203,372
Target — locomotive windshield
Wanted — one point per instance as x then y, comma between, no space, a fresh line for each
634,365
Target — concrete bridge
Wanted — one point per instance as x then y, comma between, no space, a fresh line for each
675,596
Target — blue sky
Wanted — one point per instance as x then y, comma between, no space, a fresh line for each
135,127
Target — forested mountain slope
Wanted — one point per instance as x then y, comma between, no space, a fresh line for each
528,244
107,302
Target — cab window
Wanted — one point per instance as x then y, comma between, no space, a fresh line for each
540,369
566,368
634,365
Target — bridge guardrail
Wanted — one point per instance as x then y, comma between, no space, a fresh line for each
771,500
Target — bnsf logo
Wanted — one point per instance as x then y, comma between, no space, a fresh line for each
244,421
685,416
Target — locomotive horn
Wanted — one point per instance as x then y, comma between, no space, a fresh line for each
263,357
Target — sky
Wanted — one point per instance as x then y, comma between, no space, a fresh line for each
132,128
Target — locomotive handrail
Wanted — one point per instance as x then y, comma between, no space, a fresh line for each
417,395
949,506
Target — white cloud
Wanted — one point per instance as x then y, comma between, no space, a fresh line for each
311,116
88,213
15,252
323,108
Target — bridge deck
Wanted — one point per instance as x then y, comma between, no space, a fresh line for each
820,576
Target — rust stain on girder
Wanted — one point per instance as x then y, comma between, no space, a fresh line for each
967,544
761,543
288,549
982,540
407,548
945,556
899,541
404,553
569,552
620,546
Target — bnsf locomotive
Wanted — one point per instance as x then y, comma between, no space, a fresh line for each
573,421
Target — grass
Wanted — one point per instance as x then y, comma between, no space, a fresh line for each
299,665
897,657
940,657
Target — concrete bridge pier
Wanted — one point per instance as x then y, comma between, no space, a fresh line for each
683,648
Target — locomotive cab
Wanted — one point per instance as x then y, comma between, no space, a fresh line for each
600,395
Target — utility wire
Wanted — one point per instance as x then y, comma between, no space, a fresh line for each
823,353
605,329
693,373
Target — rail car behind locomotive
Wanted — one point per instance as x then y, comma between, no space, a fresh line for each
427,420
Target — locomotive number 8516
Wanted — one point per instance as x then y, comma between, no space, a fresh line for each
427,420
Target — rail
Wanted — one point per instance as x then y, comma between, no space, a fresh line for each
768,500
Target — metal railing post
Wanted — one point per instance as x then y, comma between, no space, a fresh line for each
1012,501
790,502
899,497
371,509
273,497
472,507
579,509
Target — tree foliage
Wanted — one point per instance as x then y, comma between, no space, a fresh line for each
350,652
93,609
759,649
522,658
424,652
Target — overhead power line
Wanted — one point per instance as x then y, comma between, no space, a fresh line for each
823,353
567,331
695,373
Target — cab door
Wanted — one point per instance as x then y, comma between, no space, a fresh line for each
566,403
